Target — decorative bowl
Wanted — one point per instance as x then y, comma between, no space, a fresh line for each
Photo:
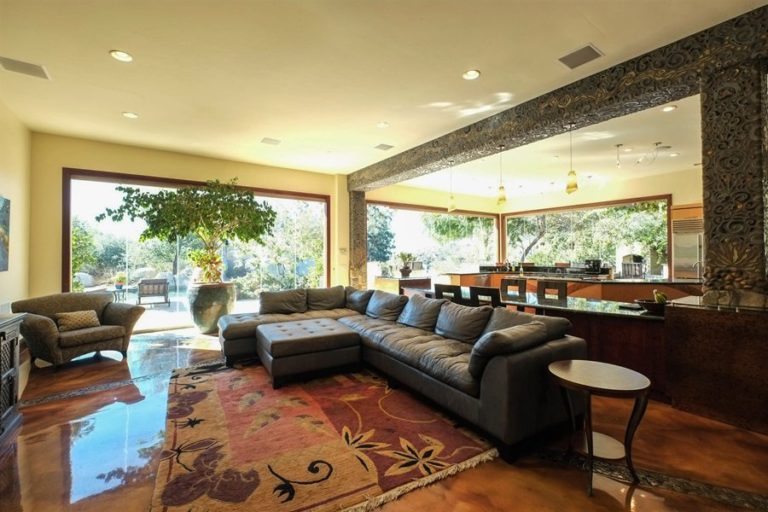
651,306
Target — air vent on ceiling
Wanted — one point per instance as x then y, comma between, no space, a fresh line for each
384,147
270,141
581,56
25,68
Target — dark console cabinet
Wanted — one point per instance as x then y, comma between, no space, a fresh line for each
9,372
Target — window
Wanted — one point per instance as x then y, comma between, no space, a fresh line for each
295,255
606,232
439,242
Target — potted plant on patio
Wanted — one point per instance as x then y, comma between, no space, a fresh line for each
120,279
406,258
213,213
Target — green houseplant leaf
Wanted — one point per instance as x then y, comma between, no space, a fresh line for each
214,213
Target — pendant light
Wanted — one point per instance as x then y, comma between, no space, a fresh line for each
571,185
451,199
501,200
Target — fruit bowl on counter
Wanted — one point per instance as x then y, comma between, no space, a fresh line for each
651,306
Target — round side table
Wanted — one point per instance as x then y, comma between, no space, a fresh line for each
602,379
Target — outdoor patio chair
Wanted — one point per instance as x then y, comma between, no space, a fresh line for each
153,288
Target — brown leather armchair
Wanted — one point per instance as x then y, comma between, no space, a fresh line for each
46,342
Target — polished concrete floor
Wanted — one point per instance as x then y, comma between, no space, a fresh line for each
92,432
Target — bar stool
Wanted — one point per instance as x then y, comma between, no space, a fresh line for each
451,292
483,295
561,287
519,284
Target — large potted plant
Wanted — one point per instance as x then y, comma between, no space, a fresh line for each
214,213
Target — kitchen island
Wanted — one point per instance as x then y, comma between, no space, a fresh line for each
589,287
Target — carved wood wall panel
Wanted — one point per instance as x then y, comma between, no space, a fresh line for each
734,177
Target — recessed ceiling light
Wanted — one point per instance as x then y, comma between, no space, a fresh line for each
471,74
673,155
669,108
270,141
384,147
382,124
627,150
121,55
131,115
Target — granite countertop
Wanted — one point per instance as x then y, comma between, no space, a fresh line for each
693,301
582,305
595,279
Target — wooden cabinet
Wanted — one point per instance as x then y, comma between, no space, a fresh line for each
9,372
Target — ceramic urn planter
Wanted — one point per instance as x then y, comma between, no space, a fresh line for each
210,301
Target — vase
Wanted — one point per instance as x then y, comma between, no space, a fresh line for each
118,286
210,301
405,271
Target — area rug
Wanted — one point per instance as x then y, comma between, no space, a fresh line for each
345,442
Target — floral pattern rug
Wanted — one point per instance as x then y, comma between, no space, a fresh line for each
347,441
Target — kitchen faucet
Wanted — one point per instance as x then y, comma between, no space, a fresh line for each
697,266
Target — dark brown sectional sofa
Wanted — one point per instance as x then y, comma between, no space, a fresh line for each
487,365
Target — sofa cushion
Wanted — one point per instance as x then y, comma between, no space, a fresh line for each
421,312
443,359
326,298
371,330
90,335
287,301
76,320
503,318
243,325
358,299
505,341
385,305
463,323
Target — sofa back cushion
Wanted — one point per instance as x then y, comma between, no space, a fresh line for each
287,301
49,305
385,306
357,300
421,312
503,342
326,298
503,318
463,323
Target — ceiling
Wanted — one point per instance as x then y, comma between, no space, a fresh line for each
543,166
319,75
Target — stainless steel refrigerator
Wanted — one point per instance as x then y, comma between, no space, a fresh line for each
688,250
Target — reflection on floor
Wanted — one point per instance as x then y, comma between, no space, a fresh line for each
92,432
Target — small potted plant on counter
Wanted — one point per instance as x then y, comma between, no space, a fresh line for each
406,258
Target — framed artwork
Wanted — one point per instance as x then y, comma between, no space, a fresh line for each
5,232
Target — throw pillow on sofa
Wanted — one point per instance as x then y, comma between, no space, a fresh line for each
285,302
463,323
421,312
505,341
326,298
503,318
77,320
385,306
357,300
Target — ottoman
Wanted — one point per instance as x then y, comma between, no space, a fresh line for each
287,349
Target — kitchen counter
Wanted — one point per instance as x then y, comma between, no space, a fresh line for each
588,287
560,277
581,305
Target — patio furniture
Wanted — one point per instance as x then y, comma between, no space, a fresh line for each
484,295
153,288
47,337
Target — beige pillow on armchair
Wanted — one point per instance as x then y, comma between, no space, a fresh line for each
76,320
